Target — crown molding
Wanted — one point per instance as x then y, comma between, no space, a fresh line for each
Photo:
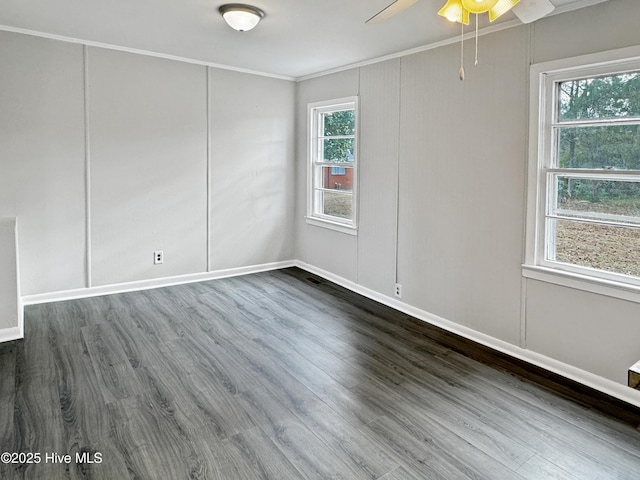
89,43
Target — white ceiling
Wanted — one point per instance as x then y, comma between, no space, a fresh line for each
296,38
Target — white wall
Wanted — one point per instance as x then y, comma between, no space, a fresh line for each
143,181
596,333
316,244
458,153
148,138
9,305
442,169
378,173
461,183
252,173
593,332
42,158
417,172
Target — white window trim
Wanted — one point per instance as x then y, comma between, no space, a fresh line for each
542,77
330,222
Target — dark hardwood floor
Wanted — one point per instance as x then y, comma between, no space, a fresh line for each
283,375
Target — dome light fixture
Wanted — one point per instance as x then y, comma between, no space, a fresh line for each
241,17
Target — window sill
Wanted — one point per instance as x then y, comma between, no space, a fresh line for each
585,283
338,227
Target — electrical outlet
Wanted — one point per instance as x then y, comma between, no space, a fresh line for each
158,257
398,290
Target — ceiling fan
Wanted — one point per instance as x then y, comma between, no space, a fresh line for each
526,10
458,11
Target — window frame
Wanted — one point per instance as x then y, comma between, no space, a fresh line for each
544,78
314,111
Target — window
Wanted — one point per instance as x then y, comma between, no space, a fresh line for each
584,203
333,164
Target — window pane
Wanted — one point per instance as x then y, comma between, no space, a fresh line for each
614,96
331,178
603,247
338,150
333,163
606,200
339,123
609,147
337,204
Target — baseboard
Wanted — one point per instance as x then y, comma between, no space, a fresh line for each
149,284
13,333
596,382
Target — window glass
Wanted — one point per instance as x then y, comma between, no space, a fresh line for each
588,215
598,199
603,146
337,204
333,164
603,247
337,178
338,150
342,122
613,96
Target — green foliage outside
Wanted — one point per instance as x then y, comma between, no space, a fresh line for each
597,98
607,147
338,124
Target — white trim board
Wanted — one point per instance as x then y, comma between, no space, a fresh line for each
9,334
153,283
20,328
411,51
448,41
601,384
13,304
89,43
491,29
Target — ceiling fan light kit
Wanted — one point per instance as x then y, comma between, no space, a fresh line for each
241,17
457,11
478,6
500,8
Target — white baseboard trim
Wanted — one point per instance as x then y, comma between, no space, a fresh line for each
604,385
149,284
20,327
13,333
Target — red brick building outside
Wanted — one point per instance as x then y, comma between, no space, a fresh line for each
338,178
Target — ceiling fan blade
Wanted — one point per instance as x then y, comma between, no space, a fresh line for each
532,10
391,10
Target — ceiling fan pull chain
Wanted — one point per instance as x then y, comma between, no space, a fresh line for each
476,63
461,72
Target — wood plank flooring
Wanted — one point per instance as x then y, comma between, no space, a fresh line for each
282,375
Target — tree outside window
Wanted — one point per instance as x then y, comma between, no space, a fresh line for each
591,190
333,162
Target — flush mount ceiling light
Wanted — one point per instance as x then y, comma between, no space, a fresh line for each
241,17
